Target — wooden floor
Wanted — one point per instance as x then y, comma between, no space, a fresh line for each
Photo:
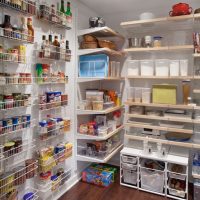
84,191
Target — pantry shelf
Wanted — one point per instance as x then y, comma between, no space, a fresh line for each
161,77
28,9
162,140
100,32
89,79
165,48
98,138
100,50
160,128
163,20
162,118
96,160
96,112
185,107
196,55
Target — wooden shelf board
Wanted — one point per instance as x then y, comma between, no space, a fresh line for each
140,125
161,77
186,107
163,141
100,50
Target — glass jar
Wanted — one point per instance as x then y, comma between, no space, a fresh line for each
157,41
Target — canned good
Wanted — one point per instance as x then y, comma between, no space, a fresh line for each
7,125
18,144
21,125
9,149
22,78
15,122
20,175
9,101
17,99
30,168
6,183
42,102
28,120
28,78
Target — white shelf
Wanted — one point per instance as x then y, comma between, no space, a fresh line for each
196,55
98,138
100,32
107,51
164,48
161,77
89,79
96,112
97,160
196,176
162,140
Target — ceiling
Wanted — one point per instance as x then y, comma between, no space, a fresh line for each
107,7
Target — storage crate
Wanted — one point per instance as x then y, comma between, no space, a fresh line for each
93,66
129,159
164,94
152,180
129,166
129,176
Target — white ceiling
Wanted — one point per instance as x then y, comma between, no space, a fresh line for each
107,7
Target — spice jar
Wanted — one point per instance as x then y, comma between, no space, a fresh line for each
20,175
7,125
157,41
18,144
30,168
9,101
17,99
148,41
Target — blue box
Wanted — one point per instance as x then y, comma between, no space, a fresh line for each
93,66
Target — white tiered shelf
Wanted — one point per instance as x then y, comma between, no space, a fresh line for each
97,160
161,77
89,79
107,51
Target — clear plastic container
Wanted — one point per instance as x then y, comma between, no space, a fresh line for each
184,67
146,95
162,67
147,67
97,105
133,68
152,180
129,159
130,176
113,69
130,94
138,94
174,67
118,69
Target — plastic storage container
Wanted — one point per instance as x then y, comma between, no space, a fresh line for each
129,176
129,159
184,67
174,66
93,65
146,95
181,171
162,67
147,67
133,68
152,180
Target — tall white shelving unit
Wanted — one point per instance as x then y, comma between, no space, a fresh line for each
100,83
177,44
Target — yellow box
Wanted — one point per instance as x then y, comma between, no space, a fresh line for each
164,94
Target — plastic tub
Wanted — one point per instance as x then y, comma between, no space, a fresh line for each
174,66
162,67
184,67
129,159
129,176
152,180
133,68
147,67
146,95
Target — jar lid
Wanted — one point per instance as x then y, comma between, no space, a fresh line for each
9,144
28,196
54,177
157,37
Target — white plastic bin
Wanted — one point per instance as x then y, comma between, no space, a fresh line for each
162,67
129,166
133,68
129,159
130,176
181,176
174,67
147,67
184,67
152,180
146,95
177,193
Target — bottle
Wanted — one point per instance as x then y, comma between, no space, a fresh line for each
7,26
47,51
68,52
53,13
30,30
62,12
57,48
68,15
58,16
52,50
24,28
62,47
42,52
